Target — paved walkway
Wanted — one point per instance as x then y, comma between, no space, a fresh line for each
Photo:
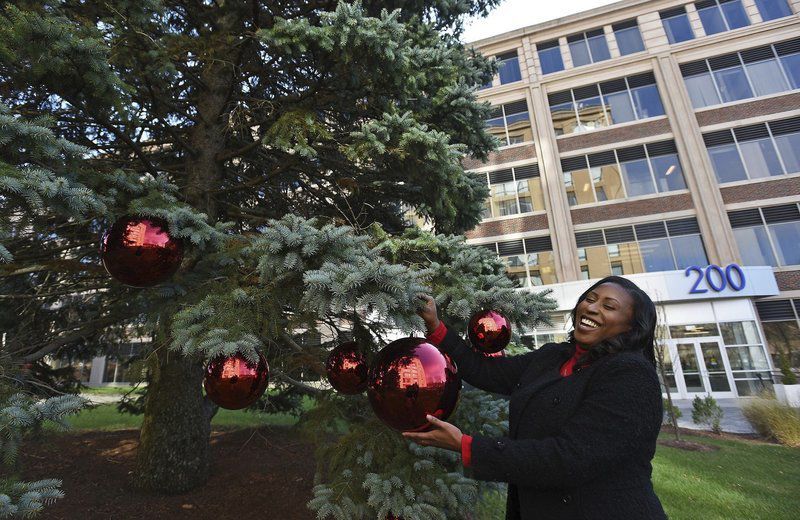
733,420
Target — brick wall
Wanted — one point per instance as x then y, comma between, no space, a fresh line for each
637,208
761,190
508,226
755,108
514,153
613,135
788,280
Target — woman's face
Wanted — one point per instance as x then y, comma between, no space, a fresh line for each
607,311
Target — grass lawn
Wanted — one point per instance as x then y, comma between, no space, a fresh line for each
106,417
106,390
740,480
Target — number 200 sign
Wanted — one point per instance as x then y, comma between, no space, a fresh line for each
717,278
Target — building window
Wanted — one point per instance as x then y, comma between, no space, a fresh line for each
603,104
751,73
650,247
550,56
755,151
768,236
721,15
530,261
629,39
508,67
623,173
510,123
676,25
513,191
588,47
772,9
779,320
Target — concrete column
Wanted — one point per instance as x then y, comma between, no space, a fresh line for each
558,215
98,369
795,6
653,35
566,57
752,11
611,39
695,22
698,171
526,60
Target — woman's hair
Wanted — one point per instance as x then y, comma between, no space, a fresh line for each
641,335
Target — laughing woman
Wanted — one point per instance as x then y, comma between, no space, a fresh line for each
584,415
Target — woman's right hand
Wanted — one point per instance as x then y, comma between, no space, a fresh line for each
428,312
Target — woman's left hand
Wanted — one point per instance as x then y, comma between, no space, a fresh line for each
442,435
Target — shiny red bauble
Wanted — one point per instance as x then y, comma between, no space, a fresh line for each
409,379
347,369
233,382
489,331
140,252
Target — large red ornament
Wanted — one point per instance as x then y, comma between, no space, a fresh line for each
489,331
234,382
409,379
139,251
347,369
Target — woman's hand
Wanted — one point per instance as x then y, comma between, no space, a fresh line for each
443,435
428,312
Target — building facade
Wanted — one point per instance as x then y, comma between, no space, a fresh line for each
659,140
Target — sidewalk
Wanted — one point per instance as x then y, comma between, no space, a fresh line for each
733,420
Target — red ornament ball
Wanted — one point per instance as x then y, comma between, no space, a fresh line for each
140,252
233,382
489,331
347,369
409,379
491,354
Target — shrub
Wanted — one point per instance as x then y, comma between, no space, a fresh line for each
774,420
675,410
707,411
789,377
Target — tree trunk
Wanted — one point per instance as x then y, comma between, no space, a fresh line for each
174,451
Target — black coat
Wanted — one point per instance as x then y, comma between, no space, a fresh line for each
578,446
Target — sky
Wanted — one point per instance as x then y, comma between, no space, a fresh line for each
513,14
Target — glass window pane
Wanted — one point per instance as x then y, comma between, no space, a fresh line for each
504,199
752,383
609,179
747,358
599,48
580,185
515,268
791,64
532,188
678,28
754,246
647,101
701,90
760,158
597,262
629,40
689,251
519,127
712,20
783,339
497,128
509,70
739,333
727,163
545,269
772,9
619,107
580,53
550,60
733,84
668,172
564,118
735,14
657,255
767,77
786,237
637,178
693,331
789,148
630,258
591,114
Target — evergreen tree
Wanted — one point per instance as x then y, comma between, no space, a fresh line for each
283,141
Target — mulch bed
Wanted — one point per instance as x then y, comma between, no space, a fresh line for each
751,438
264,473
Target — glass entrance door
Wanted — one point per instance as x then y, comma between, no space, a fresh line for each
701,368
